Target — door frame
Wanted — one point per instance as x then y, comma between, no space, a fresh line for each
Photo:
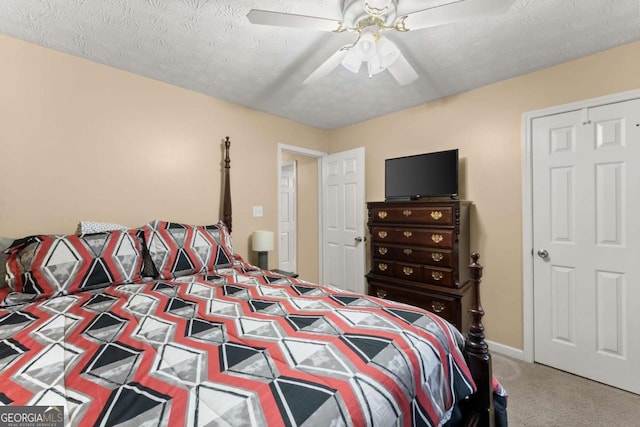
527,203
318,155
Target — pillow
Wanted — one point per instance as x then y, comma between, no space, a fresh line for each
181,249
5,242
86,227
50,265
221,232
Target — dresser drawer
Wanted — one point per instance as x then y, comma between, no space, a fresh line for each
414,254
408,271
388,268
433,238
443,306
433,215
439,276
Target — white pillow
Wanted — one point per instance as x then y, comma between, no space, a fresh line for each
88,227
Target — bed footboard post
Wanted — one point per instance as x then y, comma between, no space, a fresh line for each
226,197
477,353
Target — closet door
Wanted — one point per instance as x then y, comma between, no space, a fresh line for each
586,213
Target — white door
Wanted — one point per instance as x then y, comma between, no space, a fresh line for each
586,214
343,219
288,215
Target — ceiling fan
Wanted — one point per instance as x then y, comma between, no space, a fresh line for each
371,18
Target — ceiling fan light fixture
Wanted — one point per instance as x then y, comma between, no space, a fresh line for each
374,66
366,46
378,52
387,52
352,61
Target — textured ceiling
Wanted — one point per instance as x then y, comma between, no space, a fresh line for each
209,46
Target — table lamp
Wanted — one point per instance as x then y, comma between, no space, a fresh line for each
262,242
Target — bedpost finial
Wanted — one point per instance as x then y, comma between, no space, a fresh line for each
475,269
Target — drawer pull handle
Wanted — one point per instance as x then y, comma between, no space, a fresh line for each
437,307
408,251
437,238
408,271
437,256
382,266
382,214
407,234
436,215
381,293
382,234
382,251
406,213
436,275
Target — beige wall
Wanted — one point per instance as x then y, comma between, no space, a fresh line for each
485,124
307,219
83,141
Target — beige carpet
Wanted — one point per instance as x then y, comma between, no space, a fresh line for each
542,396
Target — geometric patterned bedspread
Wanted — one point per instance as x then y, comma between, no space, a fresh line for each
237,348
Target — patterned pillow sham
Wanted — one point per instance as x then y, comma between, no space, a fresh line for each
50,265
221,231
5,242
181,249
85,227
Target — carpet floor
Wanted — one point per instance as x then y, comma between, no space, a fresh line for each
543,396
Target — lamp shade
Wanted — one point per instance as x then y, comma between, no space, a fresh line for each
262,241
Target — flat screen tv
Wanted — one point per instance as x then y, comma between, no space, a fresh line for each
422,175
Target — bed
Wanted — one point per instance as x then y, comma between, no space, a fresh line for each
166,325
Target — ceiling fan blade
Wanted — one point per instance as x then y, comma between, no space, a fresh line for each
454,11
402,71
279,19
329,65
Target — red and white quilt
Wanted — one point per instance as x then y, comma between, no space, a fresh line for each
233,347
211,340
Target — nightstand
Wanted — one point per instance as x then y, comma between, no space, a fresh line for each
285,273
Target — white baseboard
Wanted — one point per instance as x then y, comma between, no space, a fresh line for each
505,350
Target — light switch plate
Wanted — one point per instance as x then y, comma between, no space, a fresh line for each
257,211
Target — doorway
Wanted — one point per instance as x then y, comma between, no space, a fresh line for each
330,203
306,185
288,215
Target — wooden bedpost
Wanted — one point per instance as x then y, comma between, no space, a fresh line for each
477,353
226,198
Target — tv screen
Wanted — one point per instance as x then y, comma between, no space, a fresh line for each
422,175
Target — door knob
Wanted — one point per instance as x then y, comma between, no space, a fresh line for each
359,239
543,253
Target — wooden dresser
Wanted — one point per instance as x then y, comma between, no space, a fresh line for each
419,256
